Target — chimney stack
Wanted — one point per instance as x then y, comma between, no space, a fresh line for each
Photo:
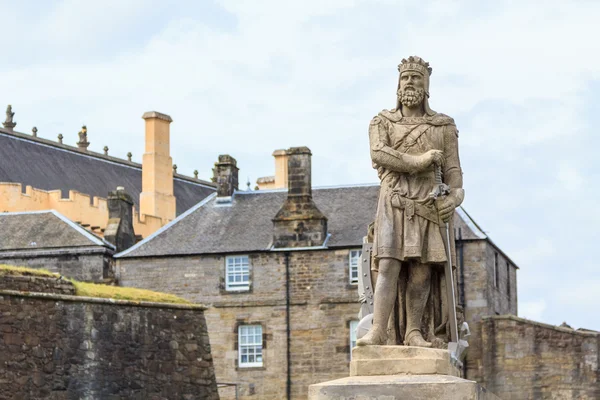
299,223
225,174
281,169
119,230
157,197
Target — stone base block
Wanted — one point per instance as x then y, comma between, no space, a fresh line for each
395,360
399,387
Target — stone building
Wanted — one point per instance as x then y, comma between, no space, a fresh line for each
49,240
280,270
39,174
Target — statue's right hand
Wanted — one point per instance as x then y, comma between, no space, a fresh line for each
433,157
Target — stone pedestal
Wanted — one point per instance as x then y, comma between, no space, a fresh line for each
395,360
399,387
398,373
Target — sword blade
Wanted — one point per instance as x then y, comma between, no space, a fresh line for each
445,231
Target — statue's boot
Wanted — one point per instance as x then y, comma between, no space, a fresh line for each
375,337
415,338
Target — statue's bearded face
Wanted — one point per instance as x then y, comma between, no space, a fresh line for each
412,89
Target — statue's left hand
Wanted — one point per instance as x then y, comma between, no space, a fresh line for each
446,207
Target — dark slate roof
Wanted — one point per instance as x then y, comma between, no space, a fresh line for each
47,165
37,230
246,224
465,227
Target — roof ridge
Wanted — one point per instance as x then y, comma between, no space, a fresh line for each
96,155
284,190
81,230
89,235
167,226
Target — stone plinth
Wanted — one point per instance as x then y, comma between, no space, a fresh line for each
399,387
395,360
399,373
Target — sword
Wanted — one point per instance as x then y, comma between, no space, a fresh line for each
440,190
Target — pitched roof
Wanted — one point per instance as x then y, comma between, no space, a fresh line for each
37,230
47,165
466,228
246,224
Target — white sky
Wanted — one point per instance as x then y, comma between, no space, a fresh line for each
521,79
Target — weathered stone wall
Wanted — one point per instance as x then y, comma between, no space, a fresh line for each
36,284
481,297
530,360
91,266
64,347
322,305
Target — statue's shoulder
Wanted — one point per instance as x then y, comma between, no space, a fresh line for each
439,119
392,115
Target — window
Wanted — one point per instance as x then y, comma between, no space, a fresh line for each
496,270
508,281
250,346
237,274
353,326
354,260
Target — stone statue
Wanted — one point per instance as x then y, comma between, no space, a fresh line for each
408,144
9,123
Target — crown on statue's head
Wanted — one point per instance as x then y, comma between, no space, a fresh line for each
414,63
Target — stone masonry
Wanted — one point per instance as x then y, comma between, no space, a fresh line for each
323,303
56,346
299,223
530,360
485,292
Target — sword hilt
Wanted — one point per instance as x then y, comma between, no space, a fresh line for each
440,189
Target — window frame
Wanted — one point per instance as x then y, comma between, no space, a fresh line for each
253,345
496,272
354,281
508,288
350,324
235,287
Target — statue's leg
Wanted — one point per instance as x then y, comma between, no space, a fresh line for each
385,298
417,293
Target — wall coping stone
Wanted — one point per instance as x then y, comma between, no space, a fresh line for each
541,324
98,300
256,303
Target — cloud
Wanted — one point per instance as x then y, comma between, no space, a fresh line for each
245,78
533,310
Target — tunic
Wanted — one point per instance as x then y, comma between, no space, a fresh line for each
406,226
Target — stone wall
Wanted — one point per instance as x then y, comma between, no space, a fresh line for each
482,297
63,347
32,283
530,360
322,304
93,265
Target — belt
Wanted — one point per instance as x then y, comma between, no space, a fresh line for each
412,207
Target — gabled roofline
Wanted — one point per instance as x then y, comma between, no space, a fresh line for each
97,156
481,235
87,234
471,224
167,226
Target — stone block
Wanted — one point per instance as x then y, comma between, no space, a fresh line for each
399,387
395,360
